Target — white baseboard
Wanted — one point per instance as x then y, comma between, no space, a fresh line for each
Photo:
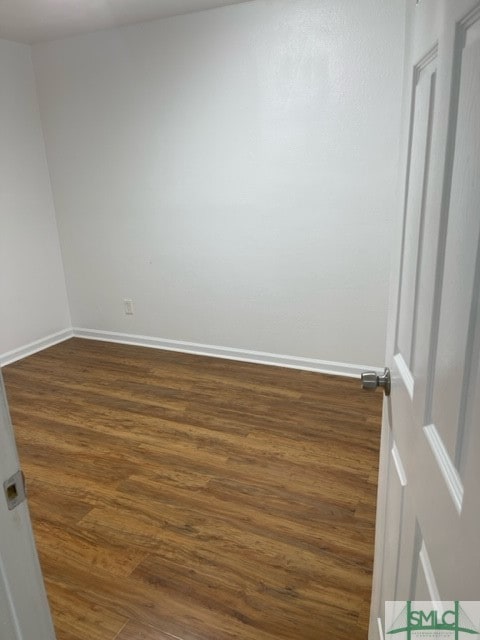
34,347
244,355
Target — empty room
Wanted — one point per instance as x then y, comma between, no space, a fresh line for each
239,327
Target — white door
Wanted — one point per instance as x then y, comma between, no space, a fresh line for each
428,519
24,611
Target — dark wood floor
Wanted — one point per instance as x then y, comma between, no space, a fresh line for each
204,499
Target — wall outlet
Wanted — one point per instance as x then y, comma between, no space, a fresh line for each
128,306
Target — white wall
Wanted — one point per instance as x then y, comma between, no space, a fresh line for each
33,301
233,172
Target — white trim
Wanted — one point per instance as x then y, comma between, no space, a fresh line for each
380,628
429,575
405,374
449,472
402,476
244,355
34,347
228,353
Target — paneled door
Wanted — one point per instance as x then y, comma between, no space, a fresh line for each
24,611
428,519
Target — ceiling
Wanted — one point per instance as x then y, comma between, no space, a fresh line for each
33,21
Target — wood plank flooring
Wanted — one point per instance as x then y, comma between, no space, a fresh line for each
178,496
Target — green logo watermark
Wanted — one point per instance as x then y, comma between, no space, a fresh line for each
409,620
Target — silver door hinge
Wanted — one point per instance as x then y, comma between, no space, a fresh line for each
14,489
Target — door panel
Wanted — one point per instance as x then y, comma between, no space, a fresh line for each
416,189
460,278
24,611
424,585
396,483
429,522
7,621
